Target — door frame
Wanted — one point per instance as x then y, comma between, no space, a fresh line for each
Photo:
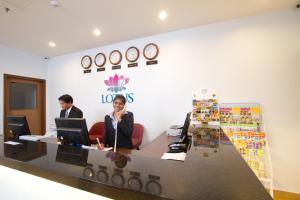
43,95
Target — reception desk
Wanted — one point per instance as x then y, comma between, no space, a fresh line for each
213,169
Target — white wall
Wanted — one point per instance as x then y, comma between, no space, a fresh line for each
19,63
254,59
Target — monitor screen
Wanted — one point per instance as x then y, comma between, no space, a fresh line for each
184,133
72,131
18,125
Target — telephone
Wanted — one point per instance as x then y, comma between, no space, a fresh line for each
124,110
177,147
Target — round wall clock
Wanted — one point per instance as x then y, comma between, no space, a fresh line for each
115,57
132,54
86,62
151,51
100,60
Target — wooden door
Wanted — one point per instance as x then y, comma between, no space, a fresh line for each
25,96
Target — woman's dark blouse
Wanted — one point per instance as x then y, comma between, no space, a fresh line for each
125,129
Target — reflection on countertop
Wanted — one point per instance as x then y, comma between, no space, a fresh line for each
213,169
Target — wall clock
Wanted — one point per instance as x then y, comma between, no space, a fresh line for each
151,51
132,54
115,57
100,60
86,62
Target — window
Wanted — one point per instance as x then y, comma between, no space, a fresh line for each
22,96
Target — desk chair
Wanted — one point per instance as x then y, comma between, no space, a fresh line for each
97,131
137,135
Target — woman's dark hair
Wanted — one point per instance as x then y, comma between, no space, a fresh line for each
66,98
120,97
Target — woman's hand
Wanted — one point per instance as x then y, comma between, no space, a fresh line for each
120,114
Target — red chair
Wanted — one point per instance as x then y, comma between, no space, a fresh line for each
137,135
97,131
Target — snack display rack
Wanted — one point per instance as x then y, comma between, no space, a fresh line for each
243,125
205,111
246,115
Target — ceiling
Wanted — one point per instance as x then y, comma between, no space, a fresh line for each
31,24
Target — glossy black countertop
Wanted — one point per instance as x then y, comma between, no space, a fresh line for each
213,169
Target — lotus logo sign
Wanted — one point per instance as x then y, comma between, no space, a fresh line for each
116,85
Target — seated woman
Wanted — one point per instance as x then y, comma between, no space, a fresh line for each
120,120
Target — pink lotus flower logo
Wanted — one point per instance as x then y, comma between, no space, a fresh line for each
116,83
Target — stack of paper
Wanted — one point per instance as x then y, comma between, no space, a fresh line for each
174,156
12,143
96,148
89,147
107,148
32,137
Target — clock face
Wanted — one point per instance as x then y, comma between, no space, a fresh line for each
100,60
132,54
151,51
86,62
115,57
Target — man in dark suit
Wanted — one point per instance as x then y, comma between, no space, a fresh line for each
68,109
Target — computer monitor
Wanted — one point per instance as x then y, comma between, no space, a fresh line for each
183,144
72,131
18,125
185,128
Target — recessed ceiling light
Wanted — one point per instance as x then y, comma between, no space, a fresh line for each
51,44
54,3
162,15
97,32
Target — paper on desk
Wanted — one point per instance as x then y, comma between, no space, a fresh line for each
12,143
107,149
89,147
96,148
32,137
174,156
